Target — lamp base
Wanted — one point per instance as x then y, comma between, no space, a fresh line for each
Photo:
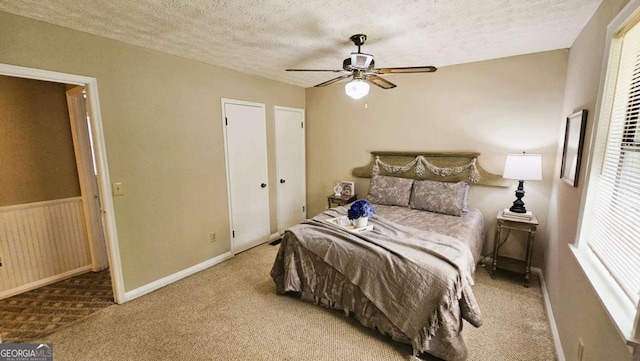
518,204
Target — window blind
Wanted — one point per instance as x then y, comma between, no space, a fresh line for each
614,235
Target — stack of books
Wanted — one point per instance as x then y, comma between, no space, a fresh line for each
523,216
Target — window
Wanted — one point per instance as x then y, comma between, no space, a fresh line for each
609,241
615,231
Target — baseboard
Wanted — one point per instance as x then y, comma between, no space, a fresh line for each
44,282
150,287
274,236
552,321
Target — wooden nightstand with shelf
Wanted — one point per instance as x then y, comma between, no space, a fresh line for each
340,200
517,224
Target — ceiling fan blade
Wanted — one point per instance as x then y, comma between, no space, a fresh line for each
333,71
331,81
382,83
408,69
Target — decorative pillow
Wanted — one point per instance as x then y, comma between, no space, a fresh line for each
390,191
440,197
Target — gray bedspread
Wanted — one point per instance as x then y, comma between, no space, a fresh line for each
468,228
413,284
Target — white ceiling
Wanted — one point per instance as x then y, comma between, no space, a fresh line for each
264,37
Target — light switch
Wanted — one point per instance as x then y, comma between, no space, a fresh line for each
118,189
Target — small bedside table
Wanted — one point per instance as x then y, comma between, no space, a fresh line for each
525,225
340,200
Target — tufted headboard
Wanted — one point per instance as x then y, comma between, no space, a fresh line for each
440,166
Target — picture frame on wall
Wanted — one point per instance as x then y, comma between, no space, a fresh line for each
573,144
348,188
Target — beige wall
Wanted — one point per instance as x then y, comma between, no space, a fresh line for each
576,308
494,107
163,130
37,162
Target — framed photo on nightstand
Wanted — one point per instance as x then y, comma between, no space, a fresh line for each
348,188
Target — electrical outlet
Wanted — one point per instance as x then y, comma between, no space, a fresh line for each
118,189
580,349
212,237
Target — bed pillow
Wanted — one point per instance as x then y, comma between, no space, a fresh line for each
390,191
440,197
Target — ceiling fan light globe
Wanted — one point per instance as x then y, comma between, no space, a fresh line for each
357,88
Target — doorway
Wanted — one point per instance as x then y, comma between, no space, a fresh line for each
103,181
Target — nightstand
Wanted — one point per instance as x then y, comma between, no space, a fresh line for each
516,224
340,200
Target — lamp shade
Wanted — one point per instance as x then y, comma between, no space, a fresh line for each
523,167
357,88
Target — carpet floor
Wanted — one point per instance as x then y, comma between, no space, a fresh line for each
231,312
37,313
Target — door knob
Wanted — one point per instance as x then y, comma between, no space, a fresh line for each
263,185
282,181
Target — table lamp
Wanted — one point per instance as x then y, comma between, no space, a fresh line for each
522,167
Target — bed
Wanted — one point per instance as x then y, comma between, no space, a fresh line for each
409,278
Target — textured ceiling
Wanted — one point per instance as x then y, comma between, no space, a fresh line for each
264,37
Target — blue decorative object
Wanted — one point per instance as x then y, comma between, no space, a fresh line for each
360,209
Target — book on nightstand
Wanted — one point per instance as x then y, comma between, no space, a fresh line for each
524,216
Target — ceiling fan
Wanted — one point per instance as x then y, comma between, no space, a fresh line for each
361,67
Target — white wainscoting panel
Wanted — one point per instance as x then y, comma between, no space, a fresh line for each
41,242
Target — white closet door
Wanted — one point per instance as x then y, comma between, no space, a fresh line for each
290,164
246,146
